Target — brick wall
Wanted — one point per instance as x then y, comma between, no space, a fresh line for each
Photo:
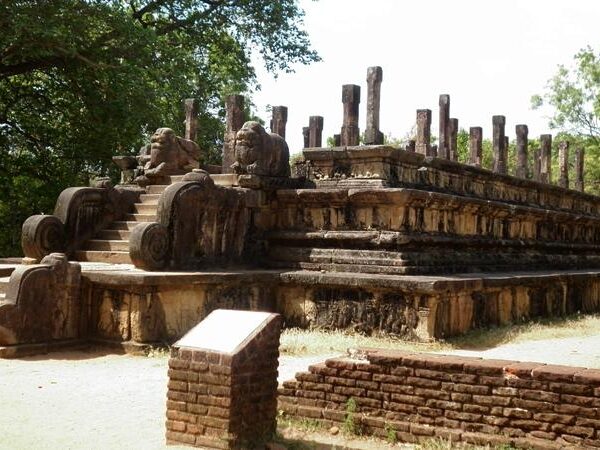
420,396
219,400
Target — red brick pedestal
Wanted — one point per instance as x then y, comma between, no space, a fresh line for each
222,389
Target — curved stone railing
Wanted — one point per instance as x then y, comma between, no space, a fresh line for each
80,212
198,224
42,303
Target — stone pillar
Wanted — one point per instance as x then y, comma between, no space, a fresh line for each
498,144
423,132
351,100
506,144
522,142
222,390
536,165
337,140
234,119
373,136
191,106
278,120
563,164
305,136
443,150
579,154
546,158
315,134
452,139
411,146
475,146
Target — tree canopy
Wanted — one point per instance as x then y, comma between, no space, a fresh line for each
573,94
82,80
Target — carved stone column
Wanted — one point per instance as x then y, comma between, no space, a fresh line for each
546,158
373,136
452,139
234,119
279,116
443,144
563,164
506,145
306,136
498,144
522,132
191,106
337,140
536,165
475,146
579,155
315,131
423,132
351,100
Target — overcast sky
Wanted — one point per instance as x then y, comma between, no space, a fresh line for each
491,57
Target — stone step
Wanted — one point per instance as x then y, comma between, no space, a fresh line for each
103,256
4,284
6,269
156,188
176,178
107,245
123,225
115,234
145,208
149,199
140,217
225,179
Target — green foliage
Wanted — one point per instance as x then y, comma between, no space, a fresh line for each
351,423
390,434
574,96
81,81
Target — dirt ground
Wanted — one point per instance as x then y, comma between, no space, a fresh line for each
97,400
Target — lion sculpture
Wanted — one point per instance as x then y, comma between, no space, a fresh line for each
260,153
166,155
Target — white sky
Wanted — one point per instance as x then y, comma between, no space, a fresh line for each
491,57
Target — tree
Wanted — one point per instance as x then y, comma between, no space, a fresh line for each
574,96
81,81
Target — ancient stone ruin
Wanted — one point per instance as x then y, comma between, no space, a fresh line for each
373,238
414,397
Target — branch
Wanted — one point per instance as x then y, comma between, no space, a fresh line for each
25,67
149,7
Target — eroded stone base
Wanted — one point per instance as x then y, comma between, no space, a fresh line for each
141,307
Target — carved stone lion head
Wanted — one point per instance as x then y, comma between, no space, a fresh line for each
250,141
163,146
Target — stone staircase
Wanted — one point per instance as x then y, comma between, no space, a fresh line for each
111,245
5,271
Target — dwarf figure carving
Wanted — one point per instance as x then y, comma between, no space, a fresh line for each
257,152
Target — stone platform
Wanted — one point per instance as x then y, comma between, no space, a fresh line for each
128,306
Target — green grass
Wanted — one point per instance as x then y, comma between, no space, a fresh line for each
555,328
297,342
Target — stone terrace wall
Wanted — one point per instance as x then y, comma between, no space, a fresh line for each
385,166
420,396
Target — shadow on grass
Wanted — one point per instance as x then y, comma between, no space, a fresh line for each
539,328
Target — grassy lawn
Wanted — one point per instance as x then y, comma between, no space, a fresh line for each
314,342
